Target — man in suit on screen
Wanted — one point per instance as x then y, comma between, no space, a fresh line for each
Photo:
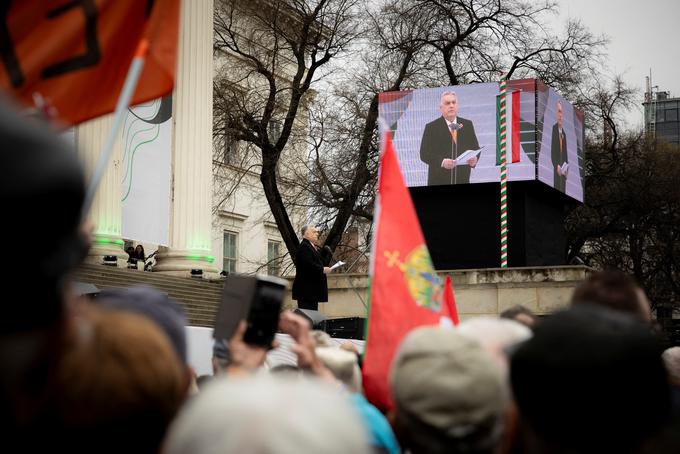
446,138
558,152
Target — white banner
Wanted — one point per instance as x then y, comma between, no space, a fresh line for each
146,172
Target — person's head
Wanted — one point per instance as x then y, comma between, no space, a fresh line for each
448,105
644,304
499,337
121,382
350,347
154,305
139,250
671,359
310,233
448,394
558,113
322,338
267,415
343,365
130,250
496,336
615,290
589,380
42,190
520,314
43,181
220,356
286,370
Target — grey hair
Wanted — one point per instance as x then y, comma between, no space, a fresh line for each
448,93
266,415
495,335
343,365
304,228
671,359
322,339
492,331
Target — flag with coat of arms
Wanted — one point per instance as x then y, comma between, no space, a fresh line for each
405,291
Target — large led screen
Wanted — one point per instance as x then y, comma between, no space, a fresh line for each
450,135
561,143
432,129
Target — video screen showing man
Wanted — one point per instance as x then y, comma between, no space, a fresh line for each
444,140
558,152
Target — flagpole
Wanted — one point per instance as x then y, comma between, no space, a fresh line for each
504,175
121,109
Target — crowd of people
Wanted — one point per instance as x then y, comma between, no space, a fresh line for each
112,375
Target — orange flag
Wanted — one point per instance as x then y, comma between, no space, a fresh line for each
405,289
75,55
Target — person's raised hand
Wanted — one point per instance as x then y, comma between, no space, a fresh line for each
243,357
298,328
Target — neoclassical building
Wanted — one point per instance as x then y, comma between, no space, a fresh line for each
207,229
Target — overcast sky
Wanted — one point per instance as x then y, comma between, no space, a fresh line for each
643,34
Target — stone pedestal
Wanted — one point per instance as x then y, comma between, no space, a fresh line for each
191,213
481,292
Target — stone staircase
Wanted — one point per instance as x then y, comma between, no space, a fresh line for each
200,297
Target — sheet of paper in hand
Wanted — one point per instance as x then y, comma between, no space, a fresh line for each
337,265
463,159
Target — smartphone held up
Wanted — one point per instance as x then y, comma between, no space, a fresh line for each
256,299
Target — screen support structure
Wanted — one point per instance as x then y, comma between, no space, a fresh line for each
504,174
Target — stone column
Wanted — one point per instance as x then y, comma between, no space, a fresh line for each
191,216
105,213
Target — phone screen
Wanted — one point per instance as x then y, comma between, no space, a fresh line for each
263,317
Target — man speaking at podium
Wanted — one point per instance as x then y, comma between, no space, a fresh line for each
310,285
446,138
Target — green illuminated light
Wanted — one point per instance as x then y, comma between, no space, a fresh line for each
202,258
108,241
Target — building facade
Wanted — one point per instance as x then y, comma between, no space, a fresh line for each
219,218
662,119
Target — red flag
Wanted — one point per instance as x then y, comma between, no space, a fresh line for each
450,301
74,56
515,128
405,290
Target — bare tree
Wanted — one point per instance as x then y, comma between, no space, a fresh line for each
350,53
280,47
631,216
477,41
344,137
416,43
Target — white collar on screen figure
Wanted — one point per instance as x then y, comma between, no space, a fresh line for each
449,123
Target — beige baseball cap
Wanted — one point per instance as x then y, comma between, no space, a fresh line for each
448,382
